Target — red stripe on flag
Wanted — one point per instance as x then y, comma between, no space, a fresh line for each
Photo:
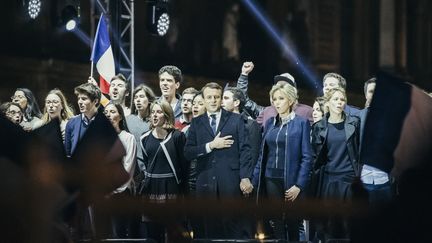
104,85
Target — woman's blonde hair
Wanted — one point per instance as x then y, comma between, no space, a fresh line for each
327,97
330,93
65,114
286,89
167,111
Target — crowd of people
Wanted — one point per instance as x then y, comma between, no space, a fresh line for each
218,143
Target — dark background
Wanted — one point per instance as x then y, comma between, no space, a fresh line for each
330,36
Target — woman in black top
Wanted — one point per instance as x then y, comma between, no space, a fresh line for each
166,167
335,140
163,155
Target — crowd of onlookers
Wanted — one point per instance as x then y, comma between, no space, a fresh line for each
215,142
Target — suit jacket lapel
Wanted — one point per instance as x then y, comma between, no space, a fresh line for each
349,129
223,120
206,123
76,134
323,131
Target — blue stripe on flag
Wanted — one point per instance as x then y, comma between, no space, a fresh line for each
102,41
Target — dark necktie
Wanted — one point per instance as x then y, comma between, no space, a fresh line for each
213,123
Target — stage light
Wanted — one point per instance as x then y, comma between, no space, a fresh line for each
71,24
69,17
260,236
158,19
163,24
34,7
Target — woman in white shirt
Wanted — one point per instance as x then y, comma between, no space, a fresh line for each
114,112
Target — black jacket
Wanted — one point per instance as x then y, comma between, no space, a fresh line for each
219,172
172,146
352,132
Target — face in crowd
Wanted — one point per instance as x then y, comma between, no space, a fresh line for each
198,107
228,102
141,101
337,103
186,103
370,89
85,104
212,99
317,113
117,91
330,83
168,85
14,114
157,116
282,103
53,105
113,115
20,98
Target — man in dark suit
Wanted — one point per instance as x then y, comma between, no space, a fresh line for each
88,102
217,140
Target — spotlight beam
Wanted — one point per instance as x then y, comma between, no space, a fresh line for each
83,37
276,37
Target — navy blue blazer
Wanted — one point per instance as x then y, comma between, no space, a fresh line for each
219,172
298,154
72,134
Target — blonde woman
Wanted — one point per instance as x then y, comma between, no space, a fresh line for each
56,106
285,158
335,140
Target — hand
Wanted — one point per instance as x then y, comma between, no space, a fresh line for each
247,68
221,142
246,186
292,193
27,128
91,80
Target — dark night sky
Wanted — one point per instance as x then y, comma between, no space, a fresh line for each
197,50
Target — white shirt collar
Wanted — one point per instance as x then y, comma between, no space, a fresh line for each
218,114
86,120
289,118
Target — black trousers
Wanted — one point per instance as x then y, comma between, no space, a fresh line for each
285,224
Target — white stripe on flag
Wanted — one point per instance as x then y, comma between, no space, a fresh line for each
105,65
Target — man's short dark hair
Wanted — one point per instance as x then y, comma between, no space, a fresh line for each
369,81
124,79
92,91
211,85
190,90
342,81
173,71
237,95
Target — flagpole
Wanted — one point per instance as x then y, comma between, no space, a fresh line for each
91,69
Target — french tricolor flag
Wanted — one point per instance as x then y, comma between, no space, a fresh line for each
102,55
